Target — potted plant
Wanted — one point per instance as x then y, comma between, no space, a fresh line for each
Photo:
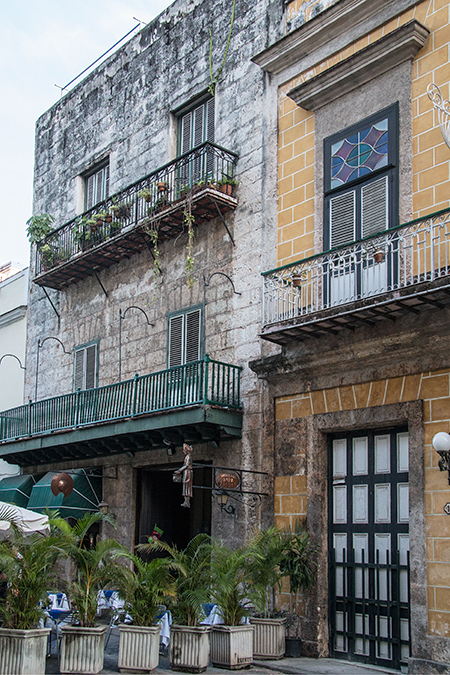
144,589
232,642
27,564
163,186
226,184
82,233
189,641
96,567
121,211
147,194
300,566
38,227
99,218
268,548
47,254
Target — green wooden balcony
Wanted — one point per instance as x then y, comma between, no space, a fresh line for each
194,403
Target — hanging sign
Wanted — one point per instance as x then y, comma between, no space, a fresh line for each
447,508
227,479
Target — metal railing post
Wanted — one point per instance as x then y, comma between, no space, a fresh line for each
206,384
77,407
30,404
135,388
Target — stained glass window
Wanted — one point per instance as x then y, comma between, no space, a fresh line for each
359,154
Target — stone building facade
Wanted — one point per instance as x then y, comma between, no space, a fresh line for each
99,309
360,383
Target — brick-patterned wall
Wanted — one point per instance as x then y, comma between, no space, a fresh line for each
290,507
433,388
431,157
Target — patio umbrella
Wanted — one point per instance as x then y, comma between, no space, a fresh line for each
26,520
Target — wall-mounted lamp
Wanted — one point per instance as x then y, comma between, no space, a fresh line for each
222,500
441,443
170,447
103,508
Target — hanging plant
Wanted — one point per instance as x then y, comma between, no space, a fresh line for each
189,221
151,228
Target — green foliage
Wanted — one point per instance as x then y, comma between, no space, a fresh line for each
122,211
230,581
95,568
146,588
27,563
192,579
227,180
39,227
267,549
214,78
298,563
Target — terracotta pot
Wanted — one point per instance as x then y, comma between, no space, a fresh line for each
296,280
109,218
378,256
227,189
162,187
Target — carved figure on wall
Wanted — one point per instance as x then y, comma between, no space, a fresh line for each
188,474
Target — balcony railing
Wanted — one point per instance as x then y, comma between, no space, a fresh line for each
396,260
200,382
118,226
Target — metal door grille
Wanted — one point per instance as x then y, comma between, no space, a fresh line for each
369,547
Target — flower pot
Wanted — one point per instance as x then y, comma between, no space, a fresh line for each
232,646
138,648
189,648
378,256
82,649
108,218
296,280
162,187
23,652
227,189
268,638
293,647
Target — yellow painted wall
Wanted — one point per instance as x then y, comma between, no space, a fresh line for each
431,157
434,389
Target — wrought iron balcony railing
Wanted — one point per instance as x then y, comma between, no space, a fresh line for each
120,225
200,382
398,260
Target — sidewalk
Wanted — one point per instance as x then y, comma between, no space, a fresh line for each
302,666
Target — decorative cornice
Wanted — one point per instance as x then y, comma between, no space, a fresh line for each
330,31
389,51
13,315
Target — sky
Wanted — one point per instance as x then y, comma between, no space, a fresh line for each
43,43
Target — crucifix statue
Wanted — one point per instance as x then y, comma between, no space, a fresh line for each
187,472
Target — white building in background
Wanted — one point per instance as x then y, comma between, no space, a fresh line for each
13,329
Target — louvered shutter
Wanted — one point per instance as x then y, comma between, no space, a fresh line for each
176,355
342,219
192,336
374,207
186,122
106,183
90,192
91,367
78,374
210,120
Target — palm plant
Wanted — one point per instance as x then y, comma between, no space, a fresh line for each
230,581
27,562
192,578
95,567
267,549
147,587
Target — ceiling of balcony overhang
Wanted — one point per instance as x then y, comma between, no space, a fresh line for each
192,425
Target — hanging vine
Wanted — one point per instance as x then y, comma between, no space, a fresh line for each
215,78
189,221
151,229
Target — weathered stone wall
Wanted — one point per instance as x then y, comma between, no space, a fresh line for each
123,110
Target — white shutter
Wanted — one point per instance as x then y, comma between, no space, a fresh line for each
91,367
192,336
106,184
374,207
176,356
90,192
78,370
342,219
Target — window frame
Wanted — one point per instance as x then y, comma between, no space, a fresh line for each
84,348
184,313
203,101
391,170
94,171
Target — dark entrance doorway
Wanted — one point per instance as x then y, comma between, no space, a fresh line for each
159,503
369,547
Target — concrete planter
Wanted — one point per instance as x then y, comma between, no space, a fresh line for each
268,638
189,648
138,648
232,646
82,649
23,652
